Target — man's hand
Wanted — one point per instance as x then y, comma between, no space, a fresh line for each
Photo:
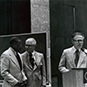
24,83
21,84
18,84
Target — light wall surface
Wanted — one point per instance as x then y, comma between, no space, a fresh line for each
40,22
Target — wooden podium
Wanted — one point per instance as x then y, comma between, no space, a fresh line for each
75,78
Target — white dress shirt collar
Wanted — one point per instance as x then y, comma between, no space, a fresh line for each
74,49
33,54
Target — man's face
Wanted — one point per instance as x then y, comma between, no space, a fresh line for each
18,46
30,48
78,41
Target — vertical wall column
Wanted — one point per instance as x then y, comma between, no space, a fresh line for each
40,23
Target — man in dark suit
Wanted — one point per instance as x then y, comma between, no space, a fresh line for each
75,56
12,65
34,65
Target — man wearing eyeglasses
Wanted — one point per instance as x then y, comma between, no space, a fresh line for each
34,65
75,56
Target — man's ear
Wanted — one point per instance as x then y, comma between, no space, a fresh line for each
25,46
72,41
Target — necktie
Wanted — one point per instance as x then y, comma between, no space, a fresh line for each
77,57
19,60
31,60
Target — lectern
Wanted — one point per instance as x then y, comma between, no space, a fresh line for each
77,77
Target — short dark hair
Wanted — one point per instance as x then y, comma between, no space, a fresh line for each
77,33
14,40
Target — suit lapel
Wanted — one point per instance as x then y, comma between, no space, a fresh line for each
13,58
71,57
35,65
29,64
21,60
72,60
81,58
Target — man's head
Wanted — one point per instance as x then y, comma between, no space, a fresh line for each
78,40
16,44
30,45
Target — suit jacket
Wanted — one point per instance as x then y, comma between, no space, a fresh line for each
68,58
35,78
10,69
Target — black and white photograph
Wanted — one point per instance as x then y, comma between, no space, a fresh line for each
56,31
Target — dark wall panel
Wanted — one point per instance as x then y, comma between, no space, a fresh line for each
14,16
62,26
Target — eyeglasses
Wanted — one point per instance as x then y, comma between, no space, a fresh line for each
29,46
80,41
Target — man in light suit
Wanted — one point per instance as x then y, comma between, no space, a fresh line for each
75,56
34,65
11,67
